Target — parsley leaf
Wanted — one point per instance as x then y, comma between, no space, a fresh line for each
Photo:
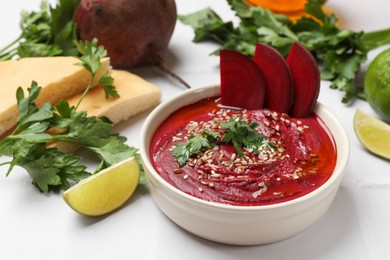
107,83
91,55
195,144
52,170
92,133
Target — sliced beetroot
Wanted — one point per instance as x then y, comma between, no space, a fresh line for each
242,84
279,88
306,77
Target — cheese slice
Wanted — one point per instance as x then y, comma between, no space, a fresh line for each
59,78
136,95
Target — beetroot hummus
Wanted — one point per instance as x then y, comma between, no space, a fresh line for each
296,157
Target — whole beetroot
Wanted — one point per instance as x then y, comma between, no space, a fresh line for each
132,31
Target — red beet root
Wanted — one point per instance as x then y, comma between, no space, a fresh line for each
306,80
279,88
132,31
242,84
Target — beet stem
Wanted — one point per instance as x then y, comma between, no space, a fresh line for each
159,63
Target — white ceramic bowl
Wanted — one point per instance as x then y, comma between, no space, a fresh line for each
240,225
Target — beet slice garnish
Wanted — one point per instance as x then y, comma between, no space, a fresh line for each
279,88
242,84
307,80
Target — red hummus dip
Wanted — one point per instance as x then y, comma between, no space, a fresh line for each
297,158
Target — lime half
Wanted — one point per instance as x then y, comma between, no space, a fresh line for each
372,133
377,85
104,191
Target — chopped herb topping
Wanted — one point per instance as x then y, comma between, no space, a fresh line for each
195,144
242,135
238,132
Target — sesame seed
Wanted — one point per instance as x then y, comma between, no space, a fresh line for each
175,138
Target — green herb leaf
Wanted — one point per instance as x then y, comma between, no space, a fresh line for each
63,30
52,170
107,83
195,144
91,56
94,134
242,135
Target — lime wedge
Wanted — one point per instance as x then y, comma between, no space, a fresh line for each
104,191
372,133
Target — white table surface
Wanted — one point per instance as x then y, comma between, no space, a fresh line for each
357,226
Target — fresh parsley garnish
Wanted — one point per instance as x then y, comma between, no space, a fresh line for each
340,52
195,144
238,132
241,134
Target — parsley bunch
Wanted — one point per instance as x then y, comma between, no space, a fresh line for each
32,144
48,32
339,52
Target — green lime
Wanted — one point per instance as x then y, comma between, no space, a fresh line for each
377,85
104,191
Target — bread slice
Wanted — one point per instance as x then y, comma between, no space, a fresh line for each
59,78
136,95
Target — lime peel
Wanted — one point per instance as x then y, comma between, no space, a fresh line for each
372,133
377,84
104,191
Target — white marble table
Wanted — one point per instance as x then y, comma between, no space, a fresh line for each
357,226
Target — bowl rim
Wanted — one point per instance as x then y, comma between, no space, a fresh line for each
341,159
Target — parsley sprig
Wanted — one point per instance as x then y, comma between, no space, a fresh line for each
30,145
90,59
238,132
340,52
241,134
195,144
